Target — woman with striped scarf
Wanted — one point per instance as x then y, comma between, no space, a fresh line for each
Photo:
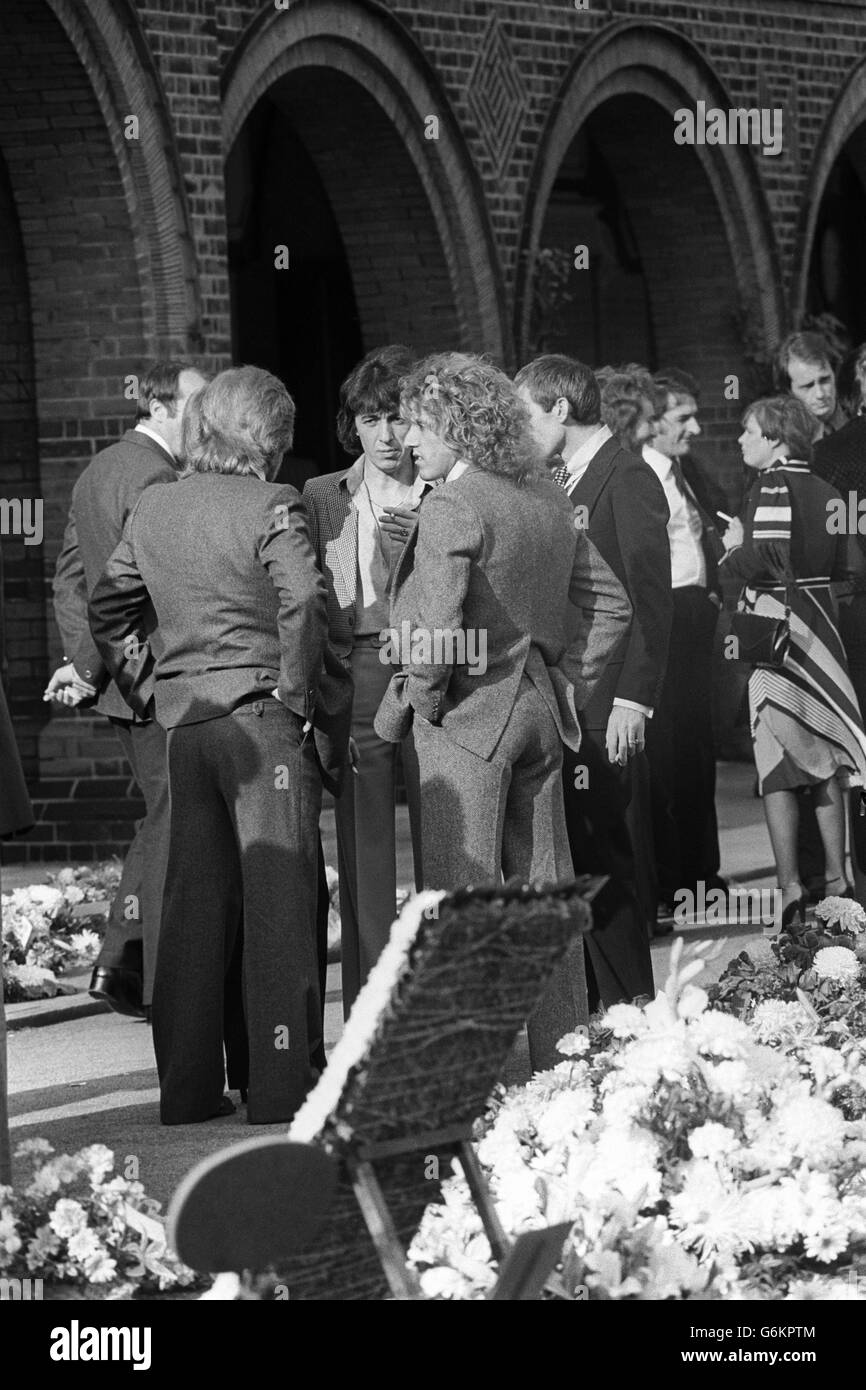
807,728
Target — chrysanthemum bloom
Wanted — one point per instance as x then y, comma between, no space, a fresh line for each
836,963
845,911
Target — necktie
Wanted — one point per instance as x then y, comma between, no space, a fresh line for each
561,477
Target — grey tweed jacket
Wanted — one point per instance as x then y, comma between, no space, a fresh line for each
504,560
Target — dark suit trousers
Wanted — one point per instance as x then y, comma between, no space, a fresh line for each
366,834
245,800
132,932
619,965
680,747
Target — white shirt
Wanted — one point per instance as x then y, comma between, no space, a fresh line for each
152,434
372,607
685,528
583,457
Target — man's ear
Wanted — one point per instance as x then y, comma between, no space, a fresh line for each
561,410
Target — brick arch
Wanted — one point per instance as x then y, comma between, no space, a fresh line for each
847,113
111,44
79,290
373,135
717,230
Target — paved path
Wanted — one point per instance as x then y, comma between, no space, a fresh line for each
93,1080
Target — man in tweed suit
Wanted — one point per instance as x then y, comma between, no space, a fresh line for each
360,518
496,557
226,560
102,499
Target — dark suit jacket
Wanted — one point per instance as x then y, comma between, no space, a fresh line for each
627,515
505,561
227,562
707,499
102,499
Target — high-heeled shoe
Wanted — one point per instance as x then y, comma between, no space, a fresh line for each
846,890
794,915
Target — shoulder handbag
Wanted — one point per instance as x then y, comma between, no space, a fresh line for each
763,640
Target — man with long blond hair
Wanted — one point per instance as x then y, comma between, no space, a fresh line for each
495,555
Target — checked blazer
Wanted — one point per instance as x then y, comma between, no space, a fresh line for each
334,533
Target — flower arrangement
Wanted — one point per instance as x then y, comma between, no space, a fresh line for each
820,965
73,1224
697,1155
44,930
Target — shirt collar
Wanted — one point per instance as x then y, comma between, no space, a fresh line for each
661,465
157,438
354,476
459,468
588,450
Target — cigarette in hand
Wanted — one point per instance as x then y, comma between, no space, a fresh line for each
725,516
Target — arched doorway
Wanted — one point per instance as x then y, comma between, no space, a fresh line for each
319,169
681,268
342,149
836,282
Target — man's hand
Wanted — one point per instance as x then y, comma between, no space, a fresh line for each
68,688
398,523
277,696
734,535
625,734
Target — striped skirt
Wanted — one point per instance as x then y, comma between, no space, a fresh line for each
805,720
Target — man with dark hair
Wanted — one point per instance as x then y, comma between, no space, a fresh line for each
804,366
102,499
622,506
360,520
240,678
680,741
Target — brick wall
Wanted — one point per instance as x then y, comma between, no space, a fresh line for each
113,251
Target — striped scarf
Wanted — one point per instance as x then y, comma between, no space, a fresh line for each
772,519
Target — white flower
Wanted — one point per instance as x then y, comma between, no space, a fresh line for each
99,1268
717,1034
625,1020
47,899
33,1146
845,911
692,1002
836,963
565,1117
774,1020
712,1141
813,1129
85,943
37,981
573,1044
67,1217
10,1241
83,1245
74,895
98,1160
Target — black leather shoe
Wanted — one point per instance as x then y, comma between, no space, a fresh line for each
119,988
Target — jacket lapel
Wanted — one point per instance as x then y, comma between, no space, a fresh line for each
587,491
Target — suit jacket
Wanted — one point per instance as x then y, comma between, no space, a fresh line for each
626,518
102,499
227,563
334,534
491,557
